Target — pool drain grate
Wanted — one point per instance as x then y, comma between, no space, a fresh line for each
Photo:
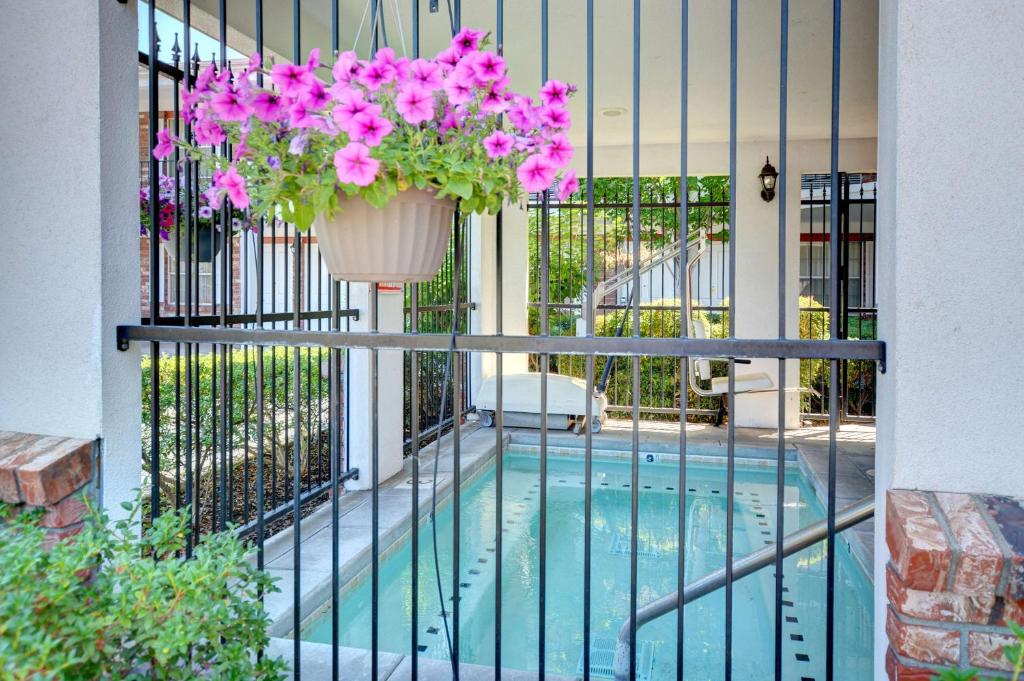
620,546
602,659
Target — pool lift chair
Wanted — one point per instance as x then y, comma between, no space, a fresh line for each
700,378
567,396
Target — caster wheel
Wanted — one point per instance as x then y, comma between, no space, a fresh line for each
486,418
595,426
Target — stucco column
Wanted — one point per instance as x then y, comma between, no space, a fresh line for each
757,275
514,276
950,257
69,265
390,392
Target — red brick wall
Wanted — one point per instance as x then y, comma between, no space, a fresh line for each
169,309
55,473
956,575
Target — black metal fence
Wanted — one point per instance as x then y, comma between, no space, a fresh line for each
858,311
661,225
285,332
429,309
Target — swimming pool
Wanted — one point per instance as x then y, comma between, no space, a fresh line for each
753,615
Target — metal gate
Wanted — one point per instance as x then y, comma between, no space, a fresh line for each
286,331
857,308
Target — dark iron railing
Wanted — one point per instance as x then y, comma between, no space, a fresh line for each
288,322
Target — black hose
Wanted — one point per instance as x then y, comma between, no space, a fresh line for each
437,452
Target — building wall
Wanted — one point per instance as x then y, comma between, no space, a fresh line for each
68,275
949,253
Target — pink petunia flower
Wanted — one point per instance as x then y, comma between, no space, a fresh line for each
536,173
234,185
555,117
458,89
498,144
415,104
299,116
164,144
426,74
346,68
316,97
555,93
354,165
349,105
267,106
467,40
558,150
488,66
208,132
229,105
203,80
493,102
448,58
376,75
292,80
313,62
568,186
370,128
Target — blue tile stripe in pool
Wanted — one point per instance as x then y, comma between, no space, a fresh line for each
804,577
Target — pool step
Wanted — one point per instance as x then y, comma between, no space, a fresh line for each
602,659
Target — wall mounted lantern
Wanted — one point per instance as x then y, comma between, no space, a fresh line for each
768,176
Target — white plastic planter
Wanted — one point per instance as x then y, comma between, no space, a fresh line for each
404,241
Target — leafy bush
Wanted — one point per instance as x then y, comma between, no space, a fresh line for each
277,389
111,603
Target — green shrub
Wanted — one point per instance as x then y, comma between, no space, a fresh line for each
278,390
1014,653
111,603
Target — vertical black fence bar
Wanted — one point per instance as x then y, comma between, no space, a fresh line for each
176,233
499,473
634,509
333,421
682,286
225,285
414,428
730,472
186,20
456,364
374,487
297,386
154,266
780,465
544,362
833,387
588,463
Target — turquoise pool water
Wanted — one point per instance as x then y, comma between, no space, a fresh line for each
804,607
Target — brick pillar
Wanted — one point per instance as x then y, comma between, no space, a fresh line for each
955,577
54,473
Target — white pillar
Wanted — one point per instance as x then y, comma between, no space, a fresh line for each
950,257
69,265
515,283
390,392
757,275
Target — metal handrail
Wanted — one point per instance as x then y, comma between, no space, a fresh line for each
792,543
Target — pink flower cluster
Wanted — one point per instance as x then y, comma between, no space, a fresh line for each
456,96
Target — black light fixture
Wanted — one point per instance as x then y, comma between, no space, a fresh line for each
768,176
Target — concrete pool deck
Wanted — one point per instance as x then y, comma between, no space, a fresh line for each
806,447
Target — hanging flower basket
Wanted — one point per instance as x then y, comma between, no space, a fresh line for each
206,242
377,159
404,241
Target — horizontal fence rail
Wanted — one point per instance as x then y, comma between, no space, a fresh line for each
632,346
